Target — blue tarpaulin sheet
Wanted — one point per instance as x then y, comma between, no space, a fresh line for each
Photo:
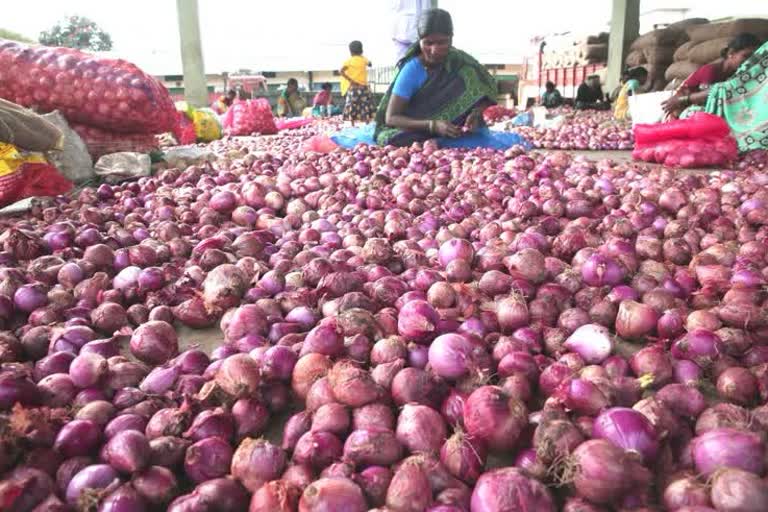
482,138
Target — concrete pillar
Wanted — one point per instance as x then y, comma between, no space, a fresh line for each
625,27
195,90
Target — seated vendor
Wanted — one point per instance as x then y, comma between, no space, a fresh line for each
223,103
692,94
589,95
740,99
551,97
290,103
438,91
636,77
322,104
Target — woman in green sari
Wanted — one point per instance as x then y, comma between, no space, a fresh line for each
438,91
742,100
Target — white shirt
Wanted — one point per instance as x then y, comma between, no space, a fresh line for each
406,19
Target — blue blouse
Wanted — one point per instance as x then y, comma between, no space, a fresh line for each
412,76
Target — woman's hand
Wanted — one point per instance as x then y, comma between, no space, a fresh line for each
672,104
474,121
447,129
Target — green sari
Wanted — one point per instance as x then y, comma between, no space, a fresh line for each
742,100
449,94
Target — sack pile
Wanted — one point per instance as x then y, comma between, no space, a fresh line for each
566,51
707,41
656,49
112,96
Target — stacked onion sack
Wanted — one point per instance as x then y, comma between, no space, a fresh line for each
655,50
707,41
412,329
566,51
111,104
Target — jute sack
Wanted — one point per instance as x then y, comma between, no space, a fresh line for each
659,37
26,129
659,54
701,33
708,51
681,69
635,58
682,51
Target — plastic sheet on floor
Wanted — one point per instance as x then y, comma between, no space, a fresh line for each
483,138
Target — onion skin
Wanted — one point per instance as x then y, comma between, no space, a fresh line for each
604,472
726,447
735,490
510,489
329,494
256,462
629,430
495,418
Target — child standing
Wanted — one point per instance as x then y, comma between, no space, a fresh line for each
354,86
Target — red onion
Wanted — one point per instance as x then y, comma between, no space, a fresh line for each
604,472
317,449
157,485
734,490
332,494
97,477
372,446
629,430
510,489
256,462
207,459
417,321
154,342
592,342
275,496
409,488
635,320
493,417
731,448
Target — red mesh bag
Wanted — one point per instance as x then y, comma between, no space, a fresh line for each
114,95
184,131
32,180
247,117
102,142
687,153
700,125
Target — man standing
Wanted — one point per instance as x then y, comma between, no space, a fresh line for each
406,20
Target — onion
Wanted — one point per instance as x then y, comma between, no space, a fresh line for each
420,428
98,477
410,488
635,320
494,417
239,375
592,342
728,448
333,494
510,489
417,321
735,490
629,430
372,447
155,342
275,496
207,459
256,462
157,485
604,472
